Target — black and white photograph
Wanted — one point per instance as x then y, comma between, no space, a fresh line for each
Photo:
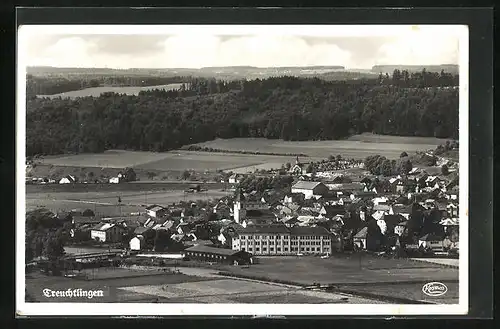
272,169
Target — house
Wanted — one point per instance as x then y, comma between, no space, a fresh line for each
234,179
293,198
156,211
298,168
431,181
108,232
114,180
83,220
387,209
222,210
367,240
403,210
310,189
452,210
143,231
431,241
391,222
184,228
137,243
401,228
219,255
330,211
69,179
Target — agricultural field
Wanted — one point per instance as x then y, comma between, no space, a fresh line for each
177,161
97,91
106,203
358,146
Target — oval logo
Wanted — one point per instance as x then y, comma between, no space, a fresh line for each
434,289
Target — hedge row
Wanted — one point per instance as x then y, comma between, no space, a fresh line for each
210,149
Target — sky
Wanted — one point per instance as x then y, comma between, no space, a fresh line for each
264,47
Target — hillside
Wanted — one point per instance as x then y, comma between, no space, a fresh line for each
288,108
449,68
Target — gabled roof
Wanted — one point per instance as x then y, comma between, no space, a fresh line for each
381,207
305,185
141,230
332,210
362,233
449,222
103,227
393,220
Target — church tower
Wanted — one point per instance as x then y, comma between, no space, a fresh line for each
239,207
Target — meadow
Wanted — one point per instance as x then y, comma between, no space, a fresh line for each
358,147
106,203
97,91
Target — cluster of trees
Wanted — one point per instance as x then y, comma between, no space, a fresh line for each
36,85
255,183
380,165
46,234
214,150
287,107
448,146
422,79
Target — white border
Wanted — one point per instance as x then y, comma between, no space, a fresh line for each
134,309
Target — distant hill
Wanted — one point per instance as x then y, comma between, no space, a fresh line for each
449,68
228,72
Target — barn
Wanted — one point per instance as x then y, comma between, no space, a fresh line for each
219,255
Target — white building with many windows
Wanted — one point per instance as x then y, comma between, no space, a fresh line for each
281,240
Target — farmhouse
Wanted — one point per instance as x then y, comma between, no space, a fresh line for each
310,189
107,232
219,255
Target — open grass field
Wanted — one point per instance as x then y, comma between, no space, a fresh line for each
106,203
358,146
97,91
129,285
347,269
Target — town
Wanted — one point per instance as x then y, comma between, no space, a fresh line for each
320,208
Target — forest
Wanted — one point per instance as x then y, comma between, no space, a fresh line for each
290,108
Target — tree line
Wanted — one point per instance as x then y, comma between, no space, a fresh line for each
286,107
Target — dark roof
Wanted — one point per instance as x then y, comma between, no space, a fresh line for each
213,250
264,229
393,220
333,210
85,219
362,233
153,206
141,230
431,237
401,209
307,230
